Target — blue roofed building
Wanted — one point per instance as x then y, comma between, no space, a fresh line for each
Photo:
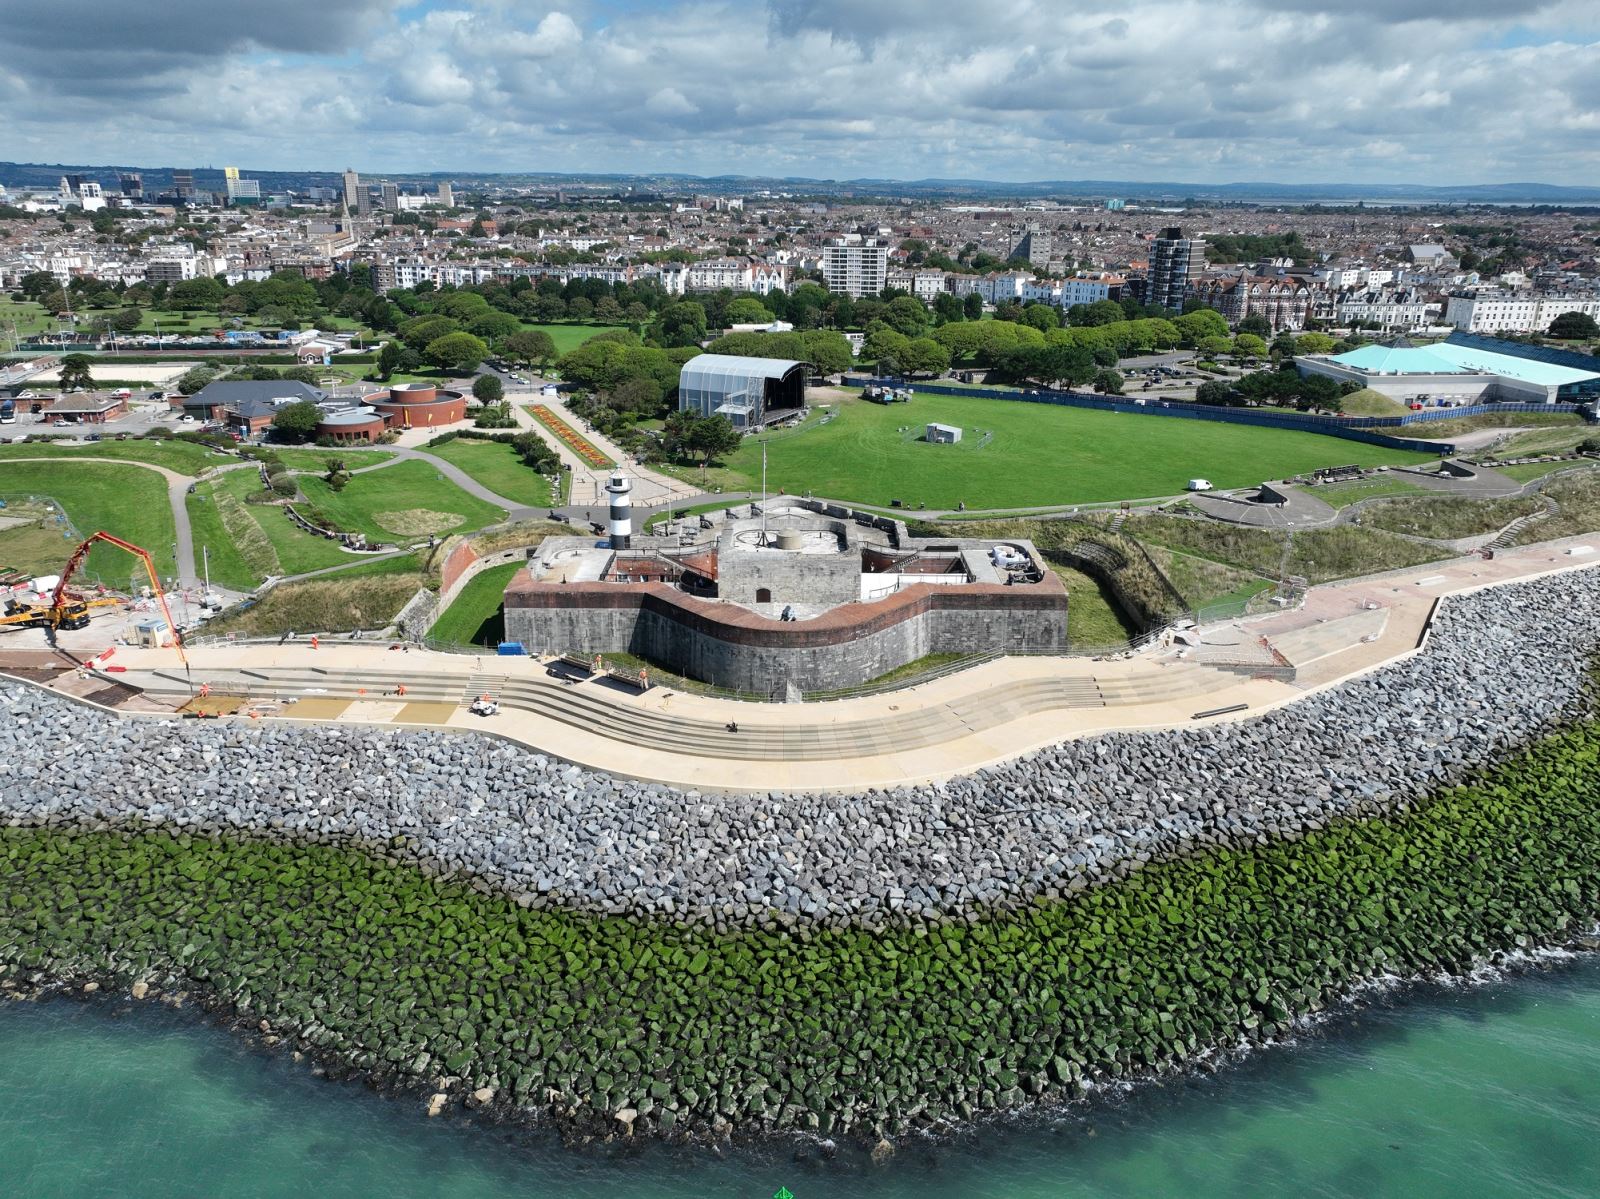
1450,373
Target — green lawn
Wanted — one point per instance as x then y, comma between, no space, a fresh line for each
228,565
184,457
571,336
1093,616
1528,471
316,459
1340,495
29,318
1040,454
127,501
475,618
498,467
405,502
292,551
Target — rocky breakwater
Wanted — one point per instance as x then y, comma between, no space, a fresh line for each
626,959
1503,666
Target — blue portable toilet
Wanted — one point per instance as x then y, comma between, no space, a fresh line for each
510,649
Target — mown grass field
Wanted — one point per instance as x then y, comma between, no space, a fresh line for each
125,500
296,458
184,457
1040,454
405,502
571,336
475,616
498,467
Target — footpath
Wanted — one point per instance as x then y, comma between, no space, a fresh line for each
948,726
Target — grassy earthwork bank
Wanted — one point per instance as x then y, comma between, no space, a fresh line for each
866,1032
367,596
1038,454
126,500
183,457
475,617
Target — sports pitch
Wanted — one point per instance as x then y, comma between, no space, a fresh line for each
1020,455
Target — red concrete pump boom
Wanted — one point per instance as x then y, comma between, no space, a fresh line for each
59,597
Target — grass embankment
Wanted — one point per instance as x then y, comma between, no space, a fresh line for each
1578,498
1040,454
1319,555
1447,518
832,1029
1560,439
409,501
498,466
126,500
1450,427
297,458
1094,618
1368,402
263,533
368,596
476,617
183,457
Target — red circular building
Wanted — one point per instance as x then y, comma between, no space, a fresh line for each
420,405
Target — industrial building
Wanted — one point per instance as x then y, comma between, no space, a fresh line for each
748,391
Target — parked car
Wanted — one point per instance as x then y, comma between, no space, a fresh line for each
58,424
186,420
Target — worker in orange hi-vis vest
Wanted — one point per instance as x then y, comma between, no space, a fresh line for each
315,642
400,690
205,690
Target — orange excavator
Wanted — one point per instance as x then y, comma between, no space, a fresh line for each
70,609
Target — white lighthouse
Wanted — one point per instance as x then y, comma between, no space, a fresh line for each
619,491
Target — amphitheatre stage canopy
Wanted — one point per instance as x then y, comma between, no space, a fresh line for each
743,389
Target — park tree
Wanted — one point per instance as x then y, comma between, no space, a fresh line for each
456,353
420,330
947,307
1213,345
1257,324
1101,312
906,315
1217,394
827,351
492,326
126,320
1201,323
297,421
487,389
1574,326
530,345
923,356
746,310
712,437
75,372
196,295
1042,317
388,360
682,324
1108,382
973,306
1314,343
533,451
884,342
639,396
1248,345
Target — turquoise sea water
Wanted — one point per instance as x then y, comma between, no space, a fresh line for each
1484,1091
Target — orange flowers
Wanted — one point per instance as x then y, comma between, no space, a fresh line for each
575,441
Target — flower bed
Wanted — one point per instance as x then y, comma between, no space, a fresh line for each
570,437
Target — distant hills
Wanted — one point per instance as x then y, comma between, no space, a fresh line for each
25,175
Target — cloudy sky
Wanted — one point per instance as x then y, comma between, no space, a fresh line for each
1187,90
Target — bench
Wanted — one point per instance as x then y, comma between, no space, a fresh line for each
634,678
578,662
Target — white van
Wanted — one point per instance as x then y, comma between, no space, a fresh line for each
1199,484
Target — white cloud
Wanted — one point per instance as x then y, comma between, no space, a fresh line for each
1029,89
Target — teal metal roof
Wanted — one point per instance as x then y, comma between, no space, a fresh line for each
1447,359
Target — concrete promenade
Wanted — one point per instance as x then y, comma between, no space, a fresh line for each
948,726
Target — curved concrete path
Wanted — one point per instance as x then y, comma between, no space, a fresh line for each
952,725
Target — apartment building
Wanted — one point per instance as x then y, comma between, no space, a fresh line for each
853,267
1512,312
